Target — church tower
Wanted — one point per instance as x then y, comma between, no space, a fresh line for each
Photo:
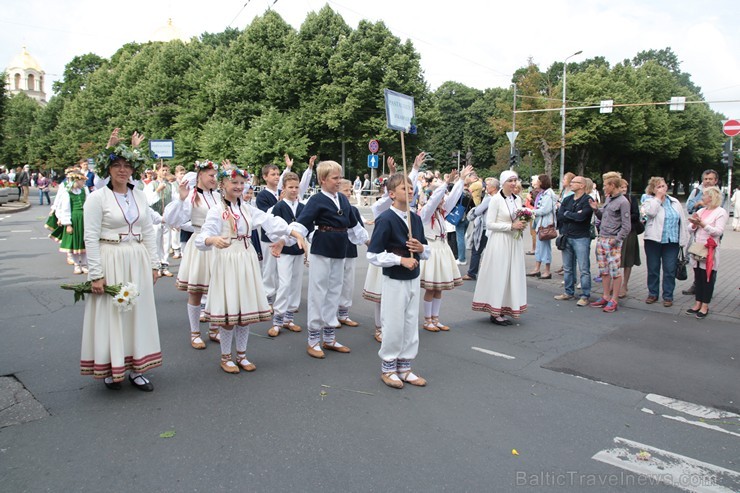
24,74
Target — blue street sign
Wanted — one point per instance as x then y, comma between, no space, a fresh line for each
372,161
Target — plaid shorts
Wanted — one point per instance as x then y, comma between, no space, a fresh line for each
608,257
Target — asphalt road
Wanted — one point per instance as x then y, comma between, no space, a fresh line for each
565,388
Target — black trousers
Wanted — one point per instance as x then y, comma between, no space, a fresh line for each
704,288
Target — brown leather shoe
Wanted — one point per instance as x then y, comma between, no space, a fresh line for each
468,278
415,379
196,341
378,334
292,327
349,322
315,351
244,363
335,346
651,299
227,365
390,381
667,303
273,331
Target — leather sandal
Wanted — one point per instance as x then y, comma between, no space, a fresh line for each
273,331
292,327
243,362
196,341
227,365
391,379
439,325
315,351
214,335
335,346
412,379
378,334
349,322
429,325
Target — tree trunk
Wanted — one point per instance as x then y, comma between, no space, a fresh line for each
547,156
582,160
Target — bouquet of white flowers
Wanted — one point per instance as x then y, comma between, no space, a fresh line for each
124,295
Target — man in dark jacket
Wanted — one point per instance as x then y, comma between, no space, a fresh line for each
24,181
574,218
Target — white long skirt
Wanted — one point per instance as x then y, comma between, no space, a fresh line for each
235,294
114,341
194,273
501,288
373,284
440,270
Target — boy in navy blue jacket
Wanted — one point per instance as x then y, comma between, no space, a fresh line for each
391,249
266,199
330,214
348,283
289,262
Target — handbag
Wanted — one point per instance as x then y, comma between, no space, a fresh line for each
456,214
560,242
699,251
548,232
681,271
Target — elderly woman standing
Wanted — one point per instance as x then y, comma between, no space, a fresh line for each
502,287
121,248
666,231
544,215
708,224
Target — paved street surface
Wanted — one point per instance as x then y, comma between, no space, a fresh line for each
569,399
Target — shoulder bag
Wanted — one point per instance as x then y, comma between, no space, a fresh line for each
681,271
545,233
456,214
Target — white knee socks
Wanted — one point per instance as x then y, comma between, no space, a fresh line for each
428,309
436,304
227,335
242,337
194,317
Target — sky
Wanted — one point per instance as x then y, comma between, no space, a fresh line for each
477,43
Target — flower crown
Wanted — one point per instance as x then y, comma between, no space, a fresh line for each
131,155
232,173
207,164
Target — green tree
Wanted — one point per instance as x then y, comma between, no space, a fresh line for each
76,73
20,115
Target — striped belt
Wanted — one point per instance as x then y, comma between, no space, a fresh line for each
246,239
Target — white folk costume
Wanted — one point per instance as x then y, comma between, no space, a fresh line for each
235,295
120,243
440,271
194,273
502,287
348,280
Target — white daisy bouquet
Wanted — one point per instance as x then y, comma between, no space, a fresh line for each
124,295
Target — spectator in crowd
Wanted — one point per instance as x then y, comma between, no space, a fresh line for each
615,226
477,216
24,182
666,230
631,246
462,226
709,178
735,201
89,174
574,219
43,185
708,224
4,174
544,215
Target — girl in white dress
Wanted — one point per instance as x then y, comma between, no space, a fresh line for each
502,287
236,297
440,271
192,205
121,248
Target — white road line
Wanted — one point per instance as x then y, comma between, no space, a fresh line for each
701,424
691,409
672,469
20,230
590,380
492,353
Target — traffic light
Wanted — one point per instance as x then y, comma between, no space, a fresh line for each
512,160
727,154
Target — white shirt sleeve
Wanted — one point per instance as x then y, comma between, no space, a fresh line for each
178,212
381,205
274,227
305,182
93,214
358,235
383,259
64,210
427,211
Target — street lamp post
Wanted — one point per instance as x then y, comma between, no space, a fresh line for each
562,129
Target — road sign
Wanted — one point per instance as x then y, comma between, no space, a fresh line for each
512,137
372,161
374,146
731,128
607,105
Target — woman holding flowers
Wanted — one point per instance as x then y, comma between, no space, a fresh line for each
236,296
121,248
502,288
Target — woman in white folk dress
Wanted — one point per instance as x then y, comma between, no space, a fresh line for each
502,288
192,204
236,297
120,243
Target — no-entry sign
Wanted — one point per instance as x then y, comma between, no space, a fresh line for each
731,128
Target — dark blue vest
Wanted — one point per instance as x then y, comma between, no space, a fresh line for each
282,209
390,235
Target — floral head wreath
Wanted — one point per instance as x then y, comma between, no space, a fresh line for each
204,165
131,155
231,174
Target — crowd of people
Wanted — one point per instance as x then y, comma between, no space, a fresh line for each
243,257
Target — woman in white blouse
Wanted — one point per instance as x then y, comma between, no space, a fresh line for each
120,243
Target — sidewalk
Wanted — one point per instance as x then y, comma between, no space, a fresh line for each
725,303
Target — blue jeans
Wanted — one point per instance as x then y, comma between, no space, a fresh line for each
43,194
657,254
475,254
543,251
460,229
577,252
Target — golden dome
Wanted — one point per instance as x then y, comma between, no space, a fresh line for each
24,61
168,33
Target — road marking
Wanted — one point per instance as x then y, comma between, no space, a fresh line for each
691,409
700,424
492,353
20,230
590,380
672,469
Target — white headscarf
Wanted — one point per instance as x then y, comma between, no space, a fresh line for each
505,175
